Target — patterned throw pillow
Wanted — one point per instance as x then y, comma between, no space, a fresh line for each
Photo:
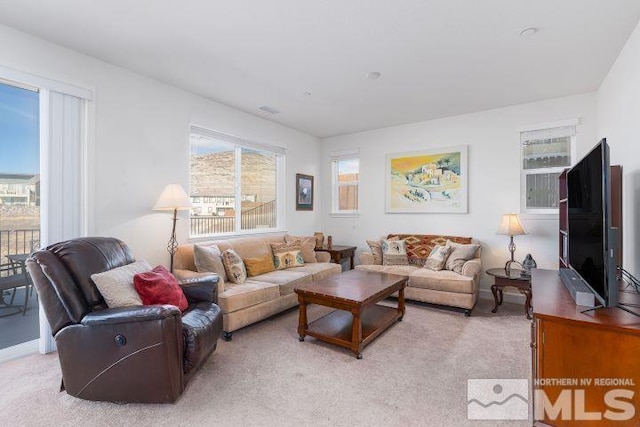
307,246
438,257
376,251
259,265
236,272
286,255
394,252
459,255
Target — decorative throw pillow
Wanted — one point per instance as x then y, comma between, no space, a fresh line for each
236,271
209,259
438,257
116,285
286,255
459,255
394,252
258,266
376,251
159,286
307,246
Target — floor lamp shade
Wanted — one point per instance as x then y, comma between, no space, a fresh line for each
173,198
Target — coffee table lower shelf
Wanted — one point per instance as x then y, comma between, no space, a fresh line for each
337,326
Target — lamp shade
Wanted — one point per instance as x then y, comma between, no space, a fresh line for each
510,225
172,197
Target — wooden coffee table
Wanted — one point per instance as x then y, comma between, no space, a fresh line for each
357,319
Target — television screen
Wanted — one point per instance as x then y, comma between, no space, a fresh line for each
588,198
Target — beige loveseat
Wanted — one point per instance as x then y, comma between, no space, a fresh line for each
260,296
442,287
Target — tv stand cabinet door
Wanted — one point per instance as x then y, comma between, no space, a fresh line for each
569,350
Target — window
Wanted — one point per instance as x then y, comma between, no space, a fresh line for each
545,154
234,184
345,182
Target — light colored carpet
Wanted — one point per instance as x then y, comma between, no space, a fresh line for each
415,374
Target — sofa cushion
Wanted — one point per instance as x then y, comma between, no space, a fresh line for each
287,280
307,246
320,270
438,257
250,293
401,270
233,264
394,252
419,246
209,259
259,265
116,285
459,255
443,280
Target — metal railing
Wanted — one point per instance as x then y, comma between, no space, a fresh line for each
21,241
263,216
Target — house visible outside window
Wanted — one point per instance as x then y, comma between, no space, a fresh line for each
235,185
545,153
345,174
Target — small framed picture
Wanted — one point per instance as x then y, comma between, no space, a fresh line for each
304,192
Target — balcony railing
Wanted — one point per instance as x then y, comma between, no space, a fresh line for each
263,216
22,241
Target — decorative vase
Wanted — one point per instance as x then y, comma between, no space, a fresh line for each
319,239
527,264
329,242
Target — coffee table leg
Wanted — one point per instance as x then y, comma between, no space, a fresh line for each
302,320
401,308
356,334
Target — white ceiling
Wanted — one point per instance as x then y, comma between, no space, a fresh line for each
438,58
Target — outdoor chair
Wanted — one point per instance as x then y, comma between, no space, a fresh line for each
12,277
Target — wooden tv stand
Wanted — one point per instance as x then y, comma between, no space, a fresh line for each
598,345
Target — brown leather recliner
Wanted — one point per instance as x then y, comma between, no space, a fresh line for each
126,354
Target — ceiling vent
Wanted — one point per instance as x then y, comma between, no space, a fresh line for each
268,109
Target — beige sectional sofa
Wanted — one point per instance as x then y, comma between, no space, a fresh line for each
442,287
260,296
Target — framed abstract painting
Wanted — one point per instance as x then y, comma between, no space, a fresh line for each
429,181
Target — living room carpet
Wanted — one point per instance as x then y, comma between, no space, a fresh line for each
414,374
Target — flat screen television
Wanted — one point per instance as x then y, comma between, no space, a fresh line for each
592,241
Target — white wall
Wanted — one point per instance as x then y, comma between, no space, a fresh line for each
140,142
494,178
619,122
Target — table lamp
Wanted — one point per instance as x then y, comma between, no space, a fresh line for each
173,198
510,226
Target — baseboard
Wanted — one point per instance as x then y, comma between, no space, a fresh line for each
512,297
19,350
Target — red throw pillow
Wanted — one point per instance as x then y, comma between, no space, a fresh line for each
159,286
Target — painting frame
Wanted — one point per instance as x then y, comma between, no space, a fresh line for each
427,181
304,192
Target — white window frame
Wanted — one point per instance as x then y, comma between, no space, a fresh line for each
545,128
239,144
353,154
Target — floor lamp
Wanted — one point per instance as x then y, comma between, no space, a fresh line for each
173,198
510,226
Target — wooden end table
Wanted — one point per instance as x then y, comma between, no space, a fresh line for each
338,253
513,279
357,319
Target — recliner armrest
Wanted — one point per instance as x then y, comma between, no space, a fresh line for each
201,288
136,313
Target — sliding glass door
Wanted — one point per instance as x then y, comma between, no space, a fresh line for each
19,211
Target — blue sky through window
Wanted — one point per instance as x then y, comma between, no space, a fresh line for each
19,130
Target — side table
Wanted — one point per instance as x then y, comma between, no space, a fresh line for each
513,279
338,253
